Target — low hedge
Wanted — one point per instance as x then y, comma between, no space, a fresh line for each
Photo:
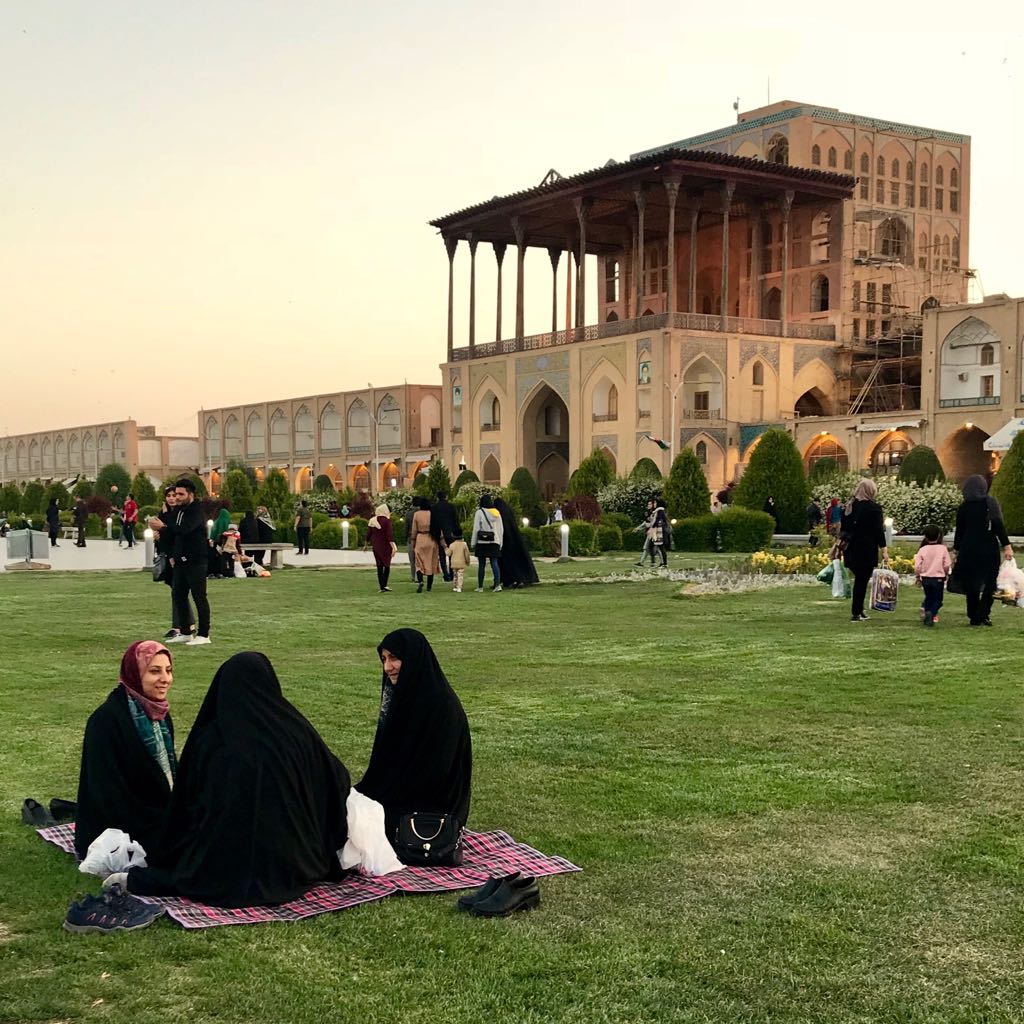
532,539
735,529
582,538
619,519
326,536
609,537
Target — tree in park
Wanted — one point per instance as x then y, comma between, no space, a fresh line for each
274,493
246,469
10,499
323,484
60,492
921,466
467,476
824,469
776,469
686,490
529,494
143,489
645,469
111,477
237,492
33,499
438,480
83,489
1008,486
593,473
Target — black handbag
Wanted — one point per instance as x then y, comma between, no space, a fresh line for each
955,583
485,536
428,839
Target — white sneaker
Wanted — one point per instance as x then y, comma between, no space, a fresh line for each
497,589
198,641
456,590
479,590
181,638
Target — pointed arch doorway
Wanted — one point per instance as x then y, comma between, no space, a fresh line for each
545,425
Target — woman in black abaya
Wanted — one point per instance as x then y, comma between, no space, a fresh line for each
517,568
259,812
422,758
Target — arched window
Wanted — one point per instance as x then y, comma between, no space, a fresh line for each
895,169
827,447
605,401
33,457
930,303
232,438
490,412
848,160
988,355
772,305
47,455
279,433
862,240
865,163
701,451
819,238
61,455
757,373
212,433
816,155
955,250
954,178
939,176
611,317
892,239
358,427
106,449
778,150
330,429
89,453
880,167
75,452
361,477
119,453
886,458
910,170
303,427
819,294
22,459
924,173
255,436
389,424
492,470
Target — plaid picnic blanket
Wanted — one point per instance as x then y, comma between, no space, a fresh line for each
486,854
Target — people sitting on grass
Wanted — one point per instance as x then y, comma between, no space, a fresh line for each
128,765
422,757
259,808
215,554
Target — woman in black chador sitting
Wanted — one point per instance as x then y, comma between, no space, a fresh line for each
422,757
259,809
128,763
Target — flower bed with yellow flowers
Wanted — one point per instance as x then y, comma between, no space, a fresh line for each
810,561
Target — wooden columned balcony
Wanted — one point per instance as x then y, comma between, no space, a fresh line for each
658,321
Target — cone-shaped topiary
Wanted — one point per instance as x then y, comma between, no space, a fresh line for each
1008,486
523,482
593,473
237,493
111,476
686,490
10,499
645,469
438,480
776,469
143,489
275,494
467,476
921,466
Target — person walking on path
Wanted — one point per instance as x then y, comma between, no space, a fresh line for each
931,567
186,528
413,509
53,522
426,540
129,517
81,518
303,527
446,523
647,528
486,541
863,534
382,541
980,533
662,531
458,555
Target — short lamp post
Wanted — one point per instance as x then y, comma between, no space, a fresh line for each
344,534
110,528
526,521
564,530
888,531
148,536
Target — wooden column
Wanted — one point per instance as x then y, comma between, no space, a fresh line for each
499,256
756,247
727,190
786,207
451,244
582,209
672,190
554,255
641,205
519,230
570,244
472,240
694,224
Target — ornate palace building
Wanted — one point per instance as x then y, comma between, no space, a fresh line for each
71,452
363,439
776,272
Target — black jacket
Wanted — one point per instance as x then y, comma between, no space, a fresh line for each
185,527
248,529
864,533
120,785
52,516
444,516
980,536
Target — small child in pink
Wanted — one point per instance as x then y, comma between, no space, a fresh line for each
931,566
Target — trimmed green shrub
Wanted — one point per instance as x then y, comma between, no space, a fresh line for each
686,490
249,471
776,469
582,539
742,529
921,466
529,495
325,485
143,489
467,476
326,535
532,538
438,479
398,530
237,493
645,469
274,493
824,469
619,519
10,499
83,489
593,473
358,527
33,498
696,533
110,476
609,537
633,540
60,492
1008,486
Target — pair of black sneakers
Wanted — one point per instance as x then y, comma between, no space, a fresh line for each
112,911
501,896
35,814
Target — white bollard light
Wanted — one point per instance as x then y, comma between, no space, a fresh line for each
526,522
148,535
888,531
565,543
344,534
110,528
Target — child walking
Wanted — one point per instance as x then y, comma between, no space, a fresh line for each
931,566
458,561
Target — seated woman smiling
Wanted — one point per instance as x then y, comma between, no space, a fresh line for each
128,763
422,757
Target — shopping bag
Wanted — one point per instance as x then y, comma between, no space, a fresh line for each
112,851
826,574
838,579
884,586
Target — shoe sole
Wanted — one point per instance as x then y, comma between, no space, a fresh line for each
82,929
530,903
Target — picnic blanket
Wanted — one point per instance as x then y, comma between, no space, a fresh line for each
485,854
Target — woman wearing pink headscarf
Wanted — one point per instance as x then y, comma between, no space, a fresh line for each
128,761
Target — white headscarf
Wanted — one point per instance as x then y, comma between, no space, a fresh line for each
378,512
866,491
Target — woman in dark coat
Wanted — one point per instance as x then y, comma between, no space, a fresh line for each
128,763
980,533
422,758
382,541
259,810
517,568
248,530
53,521
863,532
265,530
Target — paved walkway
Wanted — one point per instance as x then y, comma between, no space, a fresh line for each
105,555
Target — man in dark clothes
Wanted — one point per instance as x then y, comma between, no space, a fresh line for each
186,535
443,516
81,518
814,517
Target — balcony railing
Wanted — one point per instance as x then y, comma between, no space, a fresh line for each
702,414
604,417
958,403
489,427
657,321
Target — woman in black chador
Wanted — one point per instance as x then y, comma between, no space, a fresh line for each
422,757
259,811
517,568
980,534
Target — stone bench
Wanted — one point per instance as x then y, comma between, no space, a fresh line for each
276,550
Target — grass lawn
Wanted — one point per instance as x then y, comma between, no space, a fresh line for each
781,816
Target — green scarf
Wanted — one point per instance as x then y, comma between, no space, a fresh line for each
222,523
161,751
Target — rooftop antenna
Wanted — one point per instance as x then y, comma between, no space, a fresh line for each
736,107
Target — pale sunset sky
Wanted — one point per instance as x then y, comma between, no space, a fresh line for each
210,202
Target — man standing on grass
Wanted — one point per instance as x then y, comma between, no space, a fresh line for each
185,530
129,517
81,518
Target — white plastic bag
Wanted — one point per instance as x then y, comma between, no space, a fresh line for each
112,851
367,847
239,571
1011,578
838,579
